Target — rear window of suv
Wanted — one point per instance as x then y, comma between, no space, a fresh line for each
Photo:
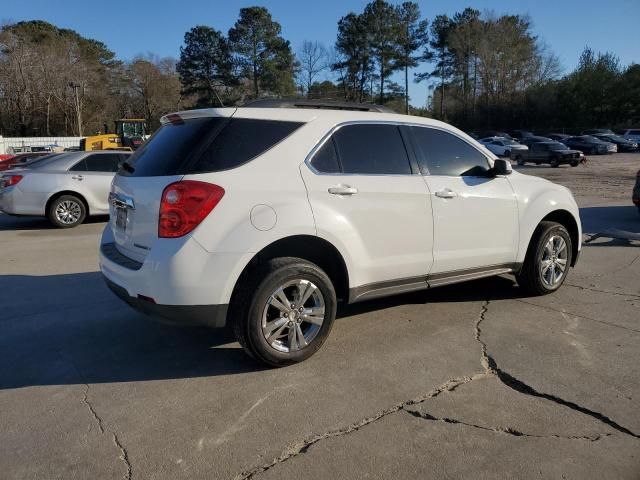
208,144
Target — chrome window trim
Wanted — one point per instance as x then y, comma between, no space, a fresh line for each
336,127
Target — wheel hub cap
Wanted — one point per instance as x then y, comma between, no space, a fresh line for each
293,315
554,261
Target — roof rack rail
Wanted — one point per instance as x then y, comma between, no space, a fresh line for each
316,104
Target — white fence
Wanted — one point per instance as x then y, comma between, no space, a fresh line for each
8,143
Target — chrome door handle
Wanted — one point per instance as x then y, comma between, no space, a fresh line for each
77,177
446,193
343,190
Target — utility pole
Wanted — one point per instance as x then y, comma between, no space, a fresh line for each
76,87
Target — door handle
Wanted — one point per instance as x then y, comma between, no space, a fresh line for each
77,177
446,193
343,190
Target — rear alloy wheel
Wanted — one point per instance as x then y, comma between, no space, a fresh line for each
548,259
67,211
286,313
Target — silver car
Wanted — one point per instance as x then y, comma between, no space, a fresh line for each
65,188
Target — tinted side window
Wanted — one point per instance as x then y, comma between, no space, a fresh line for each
326,160
372,149
81,166
241,140
441,153
107,162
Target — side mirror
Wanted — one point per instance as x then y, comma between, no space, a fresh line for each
501,167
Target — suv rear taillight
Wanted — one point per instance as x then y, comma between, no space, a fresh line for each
184,205
9,180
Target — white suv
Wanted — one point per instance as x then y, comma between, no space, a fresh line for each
266,218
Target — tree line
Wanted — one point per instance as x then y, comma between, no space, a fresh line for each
480,70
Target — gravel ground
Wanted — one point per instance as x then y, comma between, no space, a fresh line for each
474,380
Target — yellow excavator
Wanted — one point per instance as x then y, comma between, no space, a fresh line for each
129,134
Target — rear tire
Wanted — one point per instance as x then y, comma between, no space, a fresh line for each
519,160
507,154
67,211
548,259
280,334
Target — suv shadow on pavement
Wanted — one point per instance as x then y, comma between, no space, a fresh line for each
70,329
10,222
597,221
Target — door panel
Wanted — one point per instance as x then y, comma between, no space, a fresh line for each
475,215
475,222
379,212
386,226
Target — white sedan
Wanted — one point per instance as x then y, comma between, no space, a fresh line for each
502,146
65,188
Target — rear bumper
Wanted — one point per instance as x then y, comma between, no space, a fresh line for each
204,315
16,202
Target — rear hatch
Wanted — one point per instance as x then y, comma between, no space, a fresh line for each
137,189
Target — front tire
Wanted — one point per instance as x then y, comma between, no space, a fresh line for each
519,160
554,163
67,211
285,311
548,259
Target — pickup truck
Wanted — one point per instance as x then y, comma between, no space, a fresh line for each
553,153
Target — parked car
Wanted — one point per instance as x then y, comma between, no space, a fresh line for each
65,188
623,144
501,146
520,134
558,137
588,144
265,218
21,158
632,135
494,133
598,131
636,192
531,139
553,153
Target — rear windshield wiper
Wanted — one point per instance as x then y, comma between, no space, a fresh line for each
127,166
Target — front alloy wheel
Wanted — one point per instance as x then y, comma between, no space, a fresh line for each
554,261
548,259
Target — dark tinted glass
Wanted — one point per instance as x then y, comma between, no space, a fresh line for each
441,153
240,141
81,166
107,162
171,147
206,145
325,160
372,149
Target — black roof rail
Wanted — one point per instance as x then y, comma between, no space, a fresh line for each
316,104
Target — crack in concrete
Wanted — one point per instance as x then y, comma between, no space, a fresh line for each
490,368
124,456
545,307
591,289
521,387
505,430
303,446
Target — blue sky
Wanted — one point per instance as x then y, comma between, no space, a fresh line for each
142,26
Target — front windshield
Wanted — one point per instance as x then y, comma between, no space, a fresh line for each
590,139
130,129
511,142
557,146
616,137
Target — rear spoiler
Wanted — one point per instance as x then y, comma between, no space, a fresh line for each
200,113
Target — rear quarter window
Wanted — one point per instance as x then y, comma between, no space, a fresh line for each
207,144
